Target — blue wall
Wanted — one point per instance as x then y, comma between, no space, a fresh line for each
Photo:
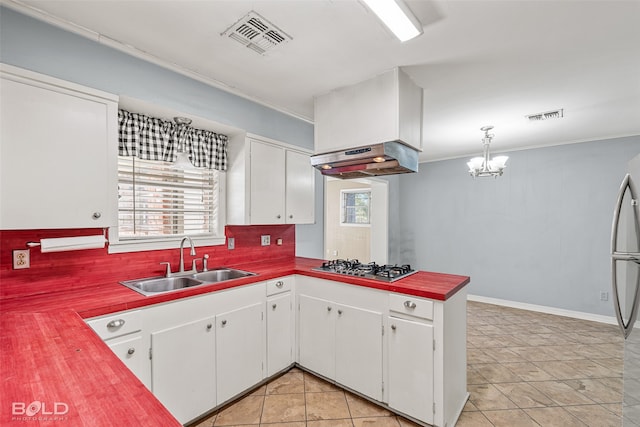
540,234
37,46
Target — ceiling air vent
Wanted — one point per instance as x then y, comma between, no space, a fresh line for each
256,33
555,114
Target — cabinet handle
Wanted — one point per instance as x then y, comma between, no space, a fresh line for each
115,324
279,216
131,351
393,327
209,326
328,308
96,215
279,284
224,322
290,216
339,312
410,304
274,306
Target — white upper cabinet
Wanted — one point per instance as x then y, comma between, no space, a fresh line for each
58,153
385,108
268,183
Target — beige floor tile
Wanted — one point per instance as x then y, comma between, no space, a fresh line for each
510,418
473,419
283,408
595,416
614,408
260,391
476,355
376,422
293,424
592,369
245,411
524,395
314,384
291,382
487,396
475,377
561,370
361,408
326,406
561,393
330,423
504,355
209,422
406,423
527,371
469,407
596,390
496,373
554,417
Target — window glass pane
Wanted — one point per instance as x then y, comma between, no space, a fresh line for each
156,200
355,207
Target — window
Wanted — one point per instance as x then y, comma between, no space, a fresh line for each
354,207
157,202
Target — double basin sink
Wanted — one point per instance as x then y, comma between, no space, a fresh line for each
156,285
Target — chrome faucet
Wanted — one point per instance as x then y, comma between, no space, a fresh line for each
192,253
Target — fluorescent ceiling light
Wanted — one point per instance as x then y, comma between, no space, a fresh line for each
397,17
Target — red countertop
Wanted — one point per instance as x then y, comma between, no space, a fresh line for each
51,358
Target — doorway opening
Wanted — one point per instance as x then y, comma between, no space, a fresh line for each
356,213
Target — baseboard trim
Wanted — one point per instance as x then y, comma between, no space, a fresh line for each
544,309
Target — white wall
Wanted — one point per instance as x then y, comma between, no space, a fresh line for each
540,234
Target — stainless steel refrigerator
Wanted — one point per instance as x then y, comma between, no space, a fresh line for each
625,269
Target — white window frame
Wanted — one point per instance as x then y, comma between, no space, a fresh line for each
170,242
341,203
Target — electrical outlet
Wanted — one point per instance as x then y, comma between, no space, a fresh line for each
265,240
231,243
21,259
604,296
279,242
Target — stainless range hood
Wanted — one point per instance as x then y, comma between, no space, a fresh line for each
385,158
370,128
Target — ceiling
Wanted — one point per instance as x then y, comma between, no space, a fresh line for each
480,62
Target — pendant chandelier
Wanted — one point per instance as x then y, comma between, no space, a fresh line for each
485,165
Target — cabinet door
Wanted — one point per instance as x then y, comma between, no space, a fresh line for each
316,329
183,368
300,189
130,351
359,350
239,350
267,184
57,158
410,387
279,333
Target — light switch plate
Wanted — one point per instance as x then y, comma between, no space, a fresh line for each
231,242
265,240
21,259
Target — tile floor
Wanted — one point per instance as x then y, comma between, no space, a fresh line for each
523,369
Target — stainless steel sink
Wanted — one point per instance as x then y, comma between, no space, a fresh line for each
220,275
155,285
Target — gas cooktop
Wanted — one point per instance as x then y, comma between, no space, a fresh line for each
385,273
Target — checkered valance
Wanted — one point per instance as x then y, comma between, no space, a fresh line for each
151,138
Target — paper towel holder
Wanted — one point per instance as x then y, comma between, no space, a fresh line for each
32,244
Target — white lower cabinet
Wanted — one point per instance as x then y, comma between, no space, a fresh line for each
343,343
410,368
279,333
316,335
131,350
183,370
239,350
359,350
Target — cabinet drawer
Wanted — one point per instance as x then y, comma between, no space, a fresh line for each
412,306
116,325
279,285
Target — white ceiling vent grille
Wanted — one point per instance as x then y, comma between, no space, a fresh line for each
256,33
555,114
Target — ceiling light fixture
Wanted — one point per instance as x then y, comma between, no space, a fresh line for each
485,166
397,16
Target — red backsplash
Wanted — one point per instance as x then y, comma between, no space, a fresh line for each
75,269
